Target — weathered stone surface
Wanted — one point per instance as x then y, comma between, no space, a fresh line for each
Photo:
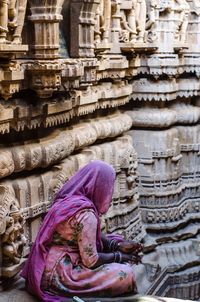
36,192
74,77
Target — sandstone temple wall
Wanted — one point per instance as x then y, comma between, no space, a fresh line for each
116,80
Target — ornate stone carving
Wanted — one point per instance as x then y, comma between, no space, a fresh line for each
183,9
46,22
103,22
11,231
155,116
45,77
82,41
60,144
139,56
12,14
169,191
152,20
167,21
133,21
35,193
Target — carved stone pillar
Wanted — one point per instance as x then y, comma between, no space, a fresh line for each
116,27
46,16
82,23
12,14
3,20
46,74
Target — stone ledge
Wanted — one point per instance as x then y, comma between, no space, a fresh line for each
18,294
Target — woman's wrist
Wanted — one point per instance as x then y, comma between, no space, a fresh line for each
117,257
113,245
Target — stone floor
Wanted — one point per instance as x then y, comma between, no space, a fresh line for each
18,294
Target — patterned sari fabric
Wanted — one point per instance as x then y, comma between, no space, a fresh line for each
73,253
65,249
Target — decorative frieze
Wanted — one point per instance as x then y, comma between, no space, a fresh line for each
168,166
60,144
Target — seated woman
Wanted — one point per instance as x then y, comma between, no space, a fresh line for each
70,255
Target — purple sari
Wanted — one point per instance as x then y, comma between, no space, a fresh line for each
90,188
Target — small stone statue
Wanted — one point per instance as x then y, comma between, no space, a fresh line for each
133,21
103,22
152,19
11,227
183,8
13,239
12,14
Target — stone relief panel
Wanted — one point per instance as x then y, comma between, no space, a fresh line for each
60,144
143,55
35,194
167,22
166,279
107,31
168,164
133,21
12,235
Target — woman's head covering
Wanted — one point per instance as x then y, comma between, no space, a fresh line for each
95,181
90,188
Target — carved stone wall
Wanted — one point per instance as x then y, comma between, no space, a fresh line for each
113,80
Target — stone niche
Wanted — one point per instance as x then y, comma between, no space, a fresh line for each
111,80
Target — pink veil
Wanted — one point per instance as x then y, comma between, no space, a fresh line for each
91,187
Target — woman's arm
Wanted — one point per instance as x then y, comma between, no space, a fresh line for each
106,243
87,225
125,246
118,257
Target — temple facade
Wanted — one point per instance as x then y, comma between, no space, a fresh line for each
116,80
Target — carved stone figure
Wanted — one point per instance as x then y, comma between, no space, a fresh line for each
12,14
6,204
152,19
141,19
128,23
183,9
103,22
11,227
13,239
133,21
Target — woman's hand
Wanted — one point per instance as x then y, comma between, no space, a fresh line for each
134,259
130,247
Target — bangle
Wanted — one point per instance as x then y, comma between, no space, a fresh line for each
120,257
113,245
117,257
